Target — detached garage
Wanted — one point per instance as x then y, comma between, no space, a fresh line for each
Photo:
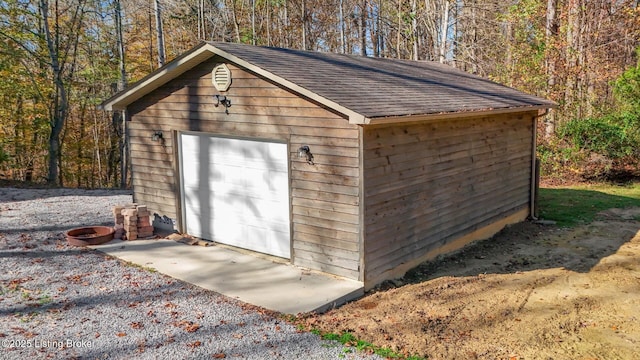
359,167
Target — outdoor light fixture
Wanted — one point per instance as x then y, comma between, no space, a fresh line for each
157,136
304,151
224,101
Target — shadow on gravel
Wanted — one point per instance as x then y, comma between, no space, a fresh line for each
11,194
51,228
31,254
124,296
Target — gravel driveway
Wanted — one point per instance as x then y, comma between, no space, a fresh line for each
63,302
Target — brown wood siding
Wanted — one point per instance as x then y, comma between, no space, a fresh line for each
430,183
324,196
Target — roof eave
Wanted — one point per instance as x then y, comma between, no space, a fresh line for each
170,71
450,115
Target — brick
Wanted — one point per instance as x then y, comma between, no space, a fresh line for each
143,213
144,222
129,212
145,228
141,208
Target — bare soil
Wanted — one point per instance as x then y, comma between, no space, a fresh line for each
531,292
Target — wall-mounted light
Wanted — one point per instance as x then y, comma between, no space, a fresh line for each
304,151
224,101
157,136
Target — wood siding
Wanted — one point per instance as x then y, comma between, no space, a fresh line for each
324,197
427,184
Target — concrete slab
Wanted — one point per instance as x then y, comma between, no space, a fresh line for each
252,279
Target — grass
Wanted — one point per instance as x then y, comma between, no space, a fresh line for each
347,339
571,206
137,266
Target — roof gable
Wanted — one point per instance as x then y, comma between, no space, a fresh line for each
364,89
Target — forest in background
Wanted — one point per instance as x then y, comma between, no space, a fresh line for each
59,59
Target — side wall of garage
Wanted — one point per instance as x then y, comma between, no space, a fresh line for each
428,184
324,197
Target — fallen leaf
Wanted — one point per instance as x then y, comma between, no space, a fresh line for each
238,336
219,356
170,305
121,334
137,325
194,344
192,327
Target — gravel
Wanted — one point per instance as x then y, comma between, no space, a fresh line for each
61,302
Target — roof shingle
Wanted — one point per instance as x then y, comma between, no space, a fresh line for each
380,87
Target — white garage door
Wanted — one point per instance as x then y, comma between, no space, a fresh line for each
236,192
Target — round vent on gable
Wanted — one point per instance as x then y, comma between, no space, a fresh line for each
221,77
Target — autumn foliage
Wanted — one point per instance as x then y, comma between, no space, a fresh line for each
59,60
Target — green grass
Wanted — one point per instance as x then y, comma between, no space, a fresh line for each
576,205
348,339
134,265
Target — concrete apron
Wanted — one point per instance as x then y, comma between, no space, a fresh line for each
275,286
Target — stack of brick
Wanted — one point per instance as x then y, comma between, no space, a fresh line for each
145,229
119,221
132,222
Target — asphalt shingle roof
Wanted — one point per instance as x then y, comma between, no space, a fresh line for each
380,87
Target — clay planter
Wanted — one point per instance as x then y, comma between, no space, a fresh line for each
90,235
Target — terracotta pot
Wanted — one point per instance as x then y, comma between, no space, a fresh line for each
90,235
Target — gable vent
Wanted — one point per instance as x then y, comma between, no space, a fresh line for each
221,77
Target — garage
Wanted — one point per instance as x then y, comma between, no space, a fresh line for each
236,192
356,166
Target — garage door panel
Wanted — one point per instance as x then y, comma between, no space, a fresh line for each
237,192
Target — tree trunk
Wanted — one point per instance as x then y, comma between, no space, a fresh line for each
399,30
119,116
343,48
362,25
236,22
414,29
304,25
444,30
159,33
253,22
60,106
551,31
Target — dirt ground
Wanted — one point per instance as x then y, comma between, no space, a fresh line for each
532,292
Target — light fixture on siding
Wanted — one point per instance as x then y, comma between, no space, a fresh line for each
304,151
224,101
157,136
